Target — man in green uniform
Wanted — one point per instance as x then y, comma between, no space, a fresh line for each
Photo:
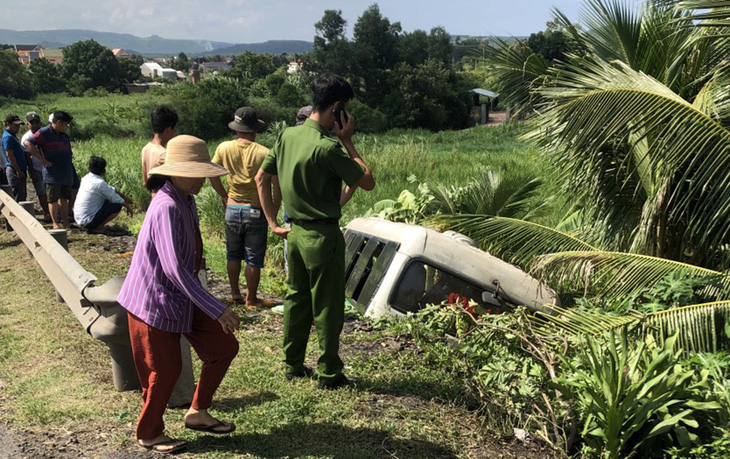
311,166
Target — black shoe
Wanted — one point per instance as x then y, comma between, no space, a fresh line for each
343,381
305,372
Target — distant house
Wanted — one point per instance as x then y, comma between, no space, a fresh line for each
153,69
213,67
294,67
119,53
54,55
28,53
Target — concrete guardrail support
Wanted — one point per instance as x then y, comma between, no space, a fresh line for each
96,308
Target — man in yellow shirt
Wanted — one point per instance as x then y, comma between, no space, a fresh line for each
246,225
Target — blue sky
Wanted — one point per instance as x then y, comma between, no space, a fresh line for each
248,21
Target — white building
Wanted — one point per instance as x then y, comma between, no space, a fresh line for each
153,69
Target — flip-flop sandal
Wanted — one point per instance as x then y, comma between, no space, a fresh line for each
236,300
177,445
212,428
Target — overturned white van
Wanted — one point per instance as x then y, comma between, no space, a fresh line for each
396,268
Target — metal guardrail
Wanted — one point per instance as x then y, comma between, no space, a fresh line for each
95,307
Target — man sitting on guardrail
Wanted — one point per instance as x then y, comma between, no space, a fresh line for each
98,203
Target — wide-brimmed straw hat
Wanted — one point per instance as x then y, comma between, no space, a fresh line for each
188,156
246,120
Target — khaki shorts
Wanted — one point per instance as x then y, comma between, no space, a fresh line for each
56,192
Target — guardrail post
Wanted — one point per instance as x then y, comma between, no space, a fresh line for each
62,238
9,190
29,207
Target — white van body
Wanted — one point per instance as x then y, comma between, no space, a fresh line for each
396,268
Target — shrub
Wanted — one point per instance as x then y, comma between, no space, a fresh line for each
271,111
368,120
206,108
635,399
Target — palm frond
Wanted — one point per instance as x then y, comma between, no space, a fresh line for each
699,327
620,273
711,13
517,241
517,70
597,104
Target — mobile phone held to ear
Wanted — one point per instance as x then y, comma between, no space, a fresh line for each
336,112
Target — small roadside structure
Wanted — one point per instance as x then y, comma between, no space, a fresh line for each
490,98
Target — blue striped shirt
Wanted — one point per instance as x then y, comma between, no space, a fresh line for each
161,287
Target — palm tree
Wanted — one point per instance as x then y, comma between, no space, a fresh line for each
636,121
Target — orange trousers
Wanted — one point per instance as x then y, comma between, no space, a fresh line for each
159,363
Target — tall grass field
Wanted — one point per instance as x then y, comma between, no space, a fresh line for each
116,127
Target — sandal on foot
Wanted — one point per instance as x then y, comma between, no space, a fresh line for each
166,446
213,428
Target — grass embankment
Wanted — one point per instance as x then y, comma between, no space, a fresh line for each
57,383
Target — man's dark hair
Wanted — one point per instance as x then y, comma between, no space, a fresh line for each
97,165
60,115
163,117
329,88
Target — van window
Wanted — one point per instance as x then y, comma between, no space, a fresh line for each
422,284
367,259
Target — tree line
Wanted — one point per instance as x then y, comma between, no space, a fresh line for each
402,79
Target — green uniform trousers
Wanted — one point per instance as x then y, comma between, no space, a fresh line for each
316,293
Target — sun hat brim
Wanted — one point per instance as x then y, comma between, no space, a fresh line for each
240,127
191,169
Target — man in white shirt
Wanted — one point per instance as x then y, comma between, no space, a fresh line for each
98,203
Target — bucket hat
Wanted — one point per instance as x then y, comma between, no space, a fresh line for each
188,156
246,120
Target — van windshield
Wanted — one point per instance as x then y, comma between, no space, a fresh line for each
422,284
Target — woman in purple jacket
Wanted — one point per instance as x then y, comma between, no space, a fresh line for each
165,299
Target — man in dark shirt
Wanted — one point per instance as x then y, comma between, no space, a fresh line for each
14,158
311,166
59,174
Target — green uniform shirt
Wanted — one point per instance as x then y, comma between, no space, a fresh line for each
311,167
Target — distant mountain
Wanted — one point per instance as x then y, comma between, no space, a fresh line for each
271,47
152,46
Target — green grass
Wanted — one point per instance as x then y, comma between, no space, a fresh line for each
57,379
446,157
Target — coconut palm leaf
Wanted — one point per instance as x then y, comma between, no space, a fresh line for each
620,273
597,103
517,241
711,13
699,327
517,70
